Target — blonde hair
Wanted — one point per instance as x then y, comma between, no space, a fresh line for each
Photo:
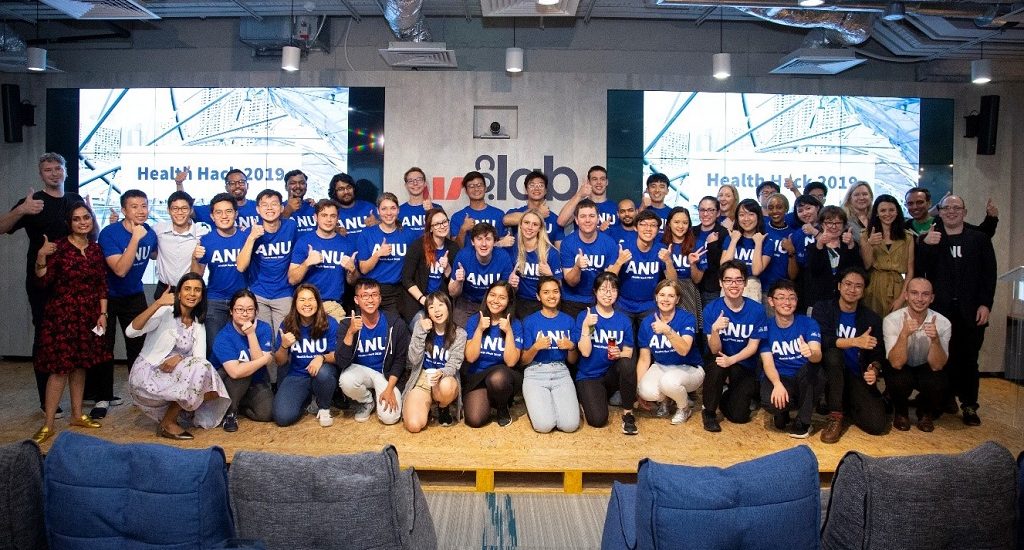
850,214
543,243
731,214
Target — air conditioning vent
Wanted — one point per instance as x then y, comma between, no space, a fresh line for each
419,55
817,61
101,9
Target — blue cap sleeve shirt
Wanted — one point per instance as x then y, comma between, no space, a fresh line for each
478,276
413,217
492,344
231,345
681,262
305,219
639,277
556,233
113,240
490,214
847,328
745,253
371,345
783,343
353,218
388,270
601,254
329,275
306,347
608,211
221,261
529,273
537,325
662,352
617,328
437,357
271,257
749,323
778,268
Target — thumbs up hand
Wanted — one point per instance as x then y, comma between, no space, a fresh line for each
625,255
805,349
355,324
505,323
513,279
442,263
314,257
47,249
590,320
721,323
848,237
874,238
385,248
581,259
932,236
349,262
460,273
866,340
991,209
31,205
199,252
287,339
930,330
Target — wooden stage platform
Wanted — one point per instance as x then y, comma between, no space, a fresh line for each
515,458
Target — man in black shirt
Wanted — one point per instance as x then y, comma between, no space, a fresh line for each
41,213
961,265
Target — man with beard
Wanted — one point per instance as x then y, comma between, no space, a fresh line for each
479,211
297,207
625,229
354,215
237,185
41,213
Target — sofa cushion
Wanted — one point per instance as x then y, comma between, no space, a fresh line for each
347,501
21,496
105,495
768,502
620,521
924,501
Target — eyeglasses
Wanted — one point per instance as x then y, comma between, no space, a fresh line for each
370,295
236,183
707,210
536,185
345,188
731,281
952,208
243,310
607,290
416,180
180,208
436,225
648,225
832,223
476,185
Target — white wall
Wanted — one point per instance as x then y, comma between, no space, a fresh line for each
561,102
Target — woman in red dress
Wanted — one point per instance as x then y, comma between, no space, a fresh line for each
74,272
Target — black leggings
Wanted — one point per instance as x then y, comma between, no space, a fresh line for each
735,402
495,390
593,394
931,385
803,390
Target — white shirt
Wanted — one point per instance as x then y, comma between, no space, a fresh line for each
918,342
174,258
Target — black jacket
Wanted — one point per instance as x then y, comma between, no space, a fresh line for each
395,350
710,283
977,284
415,270
827,312
816,280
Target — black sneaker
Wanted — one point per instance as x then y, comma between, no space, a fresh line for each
99,411
799,430
780,419
629,424
444,416
971,416
504,417
230,423
711,422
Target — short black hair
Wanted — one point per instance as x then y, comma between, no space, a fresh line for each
645,215
807,199
224,197
132,194
781,284
584,203
927,193
181,196
483,228
815,185
732,264
473,175
657,177
292,173
766,183
269,193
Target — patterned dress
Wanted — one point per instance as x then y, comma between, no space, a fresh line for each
152,389
76,282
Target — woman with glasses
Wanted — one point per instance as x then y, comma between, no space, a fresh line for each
887,248
242,351
604,337
710,236
535,257
750,245
834,251
428,264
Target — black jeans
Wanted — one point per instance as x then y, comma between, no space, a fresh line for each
931,385
37,297
803,390
962,367
593,394
734,402
255,401
848,393
99,380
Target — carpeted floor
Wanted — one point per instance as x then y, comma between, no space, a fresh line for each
502,521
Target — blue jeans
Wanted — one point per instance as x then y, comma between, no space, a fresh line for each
217,316
550,397
294,390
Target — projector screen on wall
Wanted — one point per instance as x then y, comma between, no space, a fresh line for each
702,140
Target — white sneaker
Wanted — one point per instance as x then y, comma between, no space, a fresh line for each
324,416
682,414
662,410
363,411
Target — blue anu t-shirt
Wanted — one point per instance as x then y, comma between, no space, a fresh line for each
618,327
113,240
749,323
662,352
537,325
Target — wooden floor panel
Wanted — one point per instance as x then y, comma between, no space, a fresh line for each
491,456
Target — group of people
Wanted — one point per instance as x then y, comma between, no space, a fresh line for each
273,308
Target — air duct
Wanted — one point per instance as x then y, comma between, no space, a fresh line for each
839,28
405,17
